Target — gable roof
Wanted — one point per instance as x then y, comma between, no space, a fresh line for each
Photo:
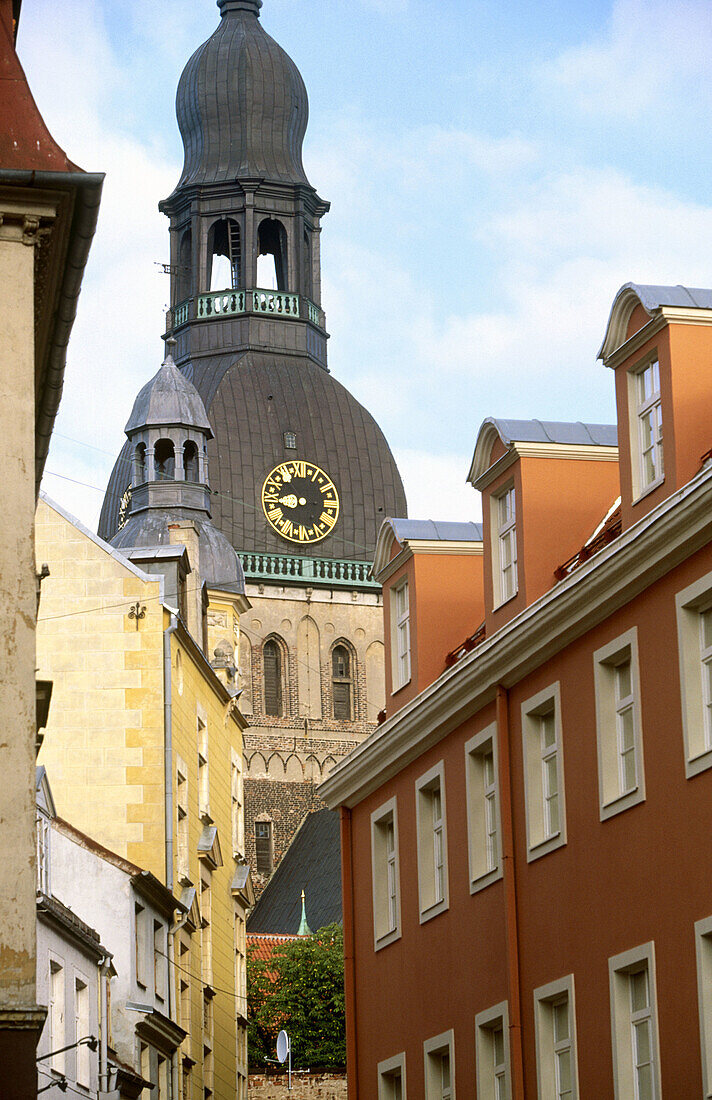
311,863
549,434
655,300
411,532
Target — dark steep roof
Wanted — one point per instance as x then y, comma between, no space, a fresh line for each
252,399
242,106
168,398
311,863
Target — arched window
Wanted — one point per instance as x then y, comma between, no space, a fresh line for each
271,255
164,460
184,282
139,470
225,255
307,267
190,461
272,667
341,682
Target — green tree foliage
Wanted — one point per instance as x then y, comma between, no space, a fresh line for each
300,989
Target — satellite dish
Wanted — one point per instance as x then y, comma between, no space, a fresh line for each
282,1046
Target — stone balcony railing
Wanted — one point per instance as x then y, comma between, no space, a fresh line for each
218,304
329,572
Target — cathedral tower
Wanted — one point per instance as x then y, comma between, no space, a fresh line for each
301,475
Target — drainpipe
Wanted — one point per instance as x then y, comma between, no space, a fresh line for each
168,745
510,896
347,887
104,1024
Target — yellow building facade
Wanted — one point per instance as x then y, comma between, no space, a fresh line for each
144,750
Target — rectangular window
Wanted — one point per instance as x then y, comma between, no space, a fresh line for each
432,842
57,1032
160,961
264,854
203,770
694,635
483,824
206,917
236,788
557,1071
543,772
636,1069
385,874
141,944
400,634
391,1078
703,944
162,1074
492,1053
44,833
182,823
649,426
618,725
504,546
439,1054
81,1031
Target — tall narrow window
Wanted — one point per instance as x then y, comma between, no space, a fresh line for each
236,797
650,427
341,682
164,460
556,1040
506,583
264,857
190,461
225,256
618,725
544,772
440,1067
203,768
139,464
492,1051
550,772
57,1033
141,944
482,808
384,870
499,1066
432,843
206,916
272,662
182,822
159,959
184,281
272,255
625,722
400,634
706,669
635,1040
81,1031
694,635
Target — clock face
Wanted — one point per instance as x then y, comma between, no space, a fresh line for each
300,501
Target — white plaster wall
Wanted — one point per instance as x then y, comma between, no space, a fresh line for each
76,964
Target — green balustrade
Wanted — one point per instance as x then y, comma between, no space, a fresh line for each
228,303
330,572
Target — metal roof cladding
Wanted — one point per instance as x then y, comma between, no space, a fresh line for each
169,398
242,105
549,431
404,529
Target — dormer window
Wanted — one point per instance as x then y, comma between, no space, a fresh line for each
649,433
505,549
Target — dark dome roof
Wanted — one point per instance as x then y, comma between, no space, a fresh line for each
219,564
253,399
242,106
169,398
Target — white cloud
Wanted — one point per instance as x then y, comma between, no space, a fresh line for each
435,486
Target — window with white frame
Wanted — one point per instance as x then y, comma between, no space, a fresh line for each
203,767
182,822
543,772
160,959
400,634
555,1024
391,1078
483,822
703,944
694,635
385,874
636,1062
618,725
81,1031
504,546
236,796
492,1053
206,936
648,427
141,944
44,841
432,842
55,1015
439,1054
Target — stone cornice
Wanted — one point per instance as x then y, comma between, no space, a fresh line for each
644,553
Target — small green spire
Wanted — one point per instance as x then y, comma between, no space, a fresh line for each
304,929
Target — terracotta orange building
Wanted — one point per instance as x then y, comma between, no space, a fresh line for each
527,906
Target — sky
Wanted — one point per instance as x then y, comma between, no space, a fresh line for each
495,171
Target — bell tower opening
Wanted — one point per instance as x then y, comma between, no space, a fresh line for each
164,460
272,255
184,281
224,255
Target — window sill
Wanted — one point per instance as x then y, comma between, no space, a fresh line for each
695,765
386,939
434,910
483,881
401,686
649,489
543,847
503,603
622,803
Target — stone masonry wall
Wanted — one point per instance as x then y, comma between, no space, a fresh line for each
285,805
307,1086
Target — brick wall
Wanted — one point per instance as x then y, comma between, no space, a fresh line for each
286,805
